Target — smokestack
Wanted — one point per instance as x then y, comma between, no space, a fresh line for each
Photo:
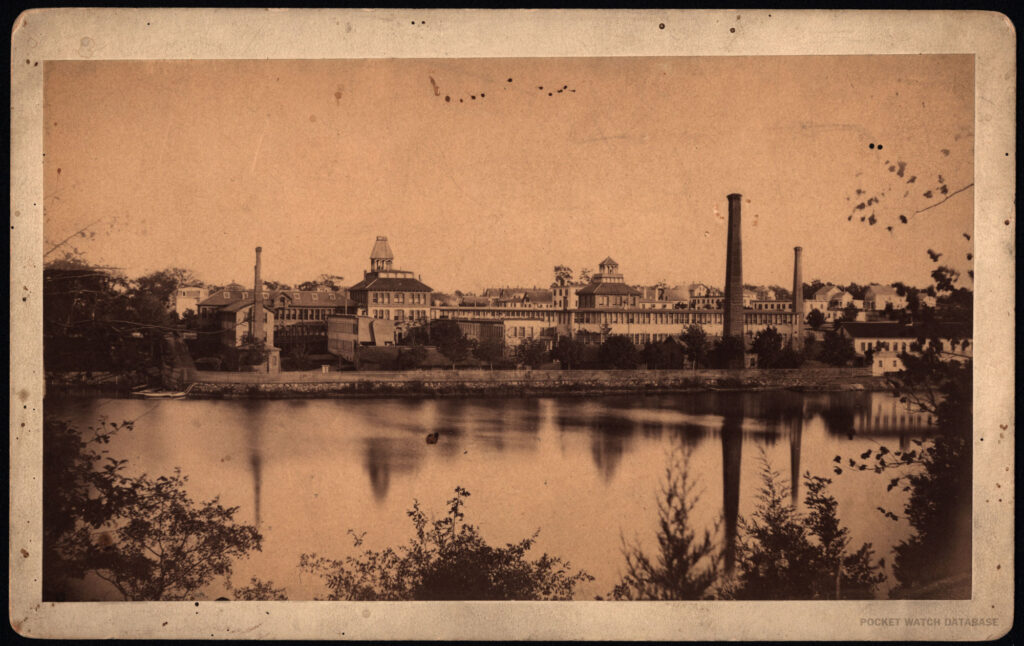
732,321
798,300
257,302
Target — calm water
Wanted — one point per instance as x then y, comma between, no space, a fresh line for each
585,471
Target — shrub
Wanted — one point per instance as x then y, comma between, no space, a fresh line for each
447,560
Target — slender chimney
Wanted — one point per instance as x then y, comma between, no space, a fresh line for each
798,300
732,321
257,302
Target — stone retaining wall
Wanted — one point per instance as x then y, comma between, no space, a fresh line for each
520,382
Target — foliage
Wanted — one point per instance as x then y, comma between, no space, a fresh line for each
850,312
447,560
328,281
563,275
837,350
411,358
695,345
663,355
618,352
259,590
767,346
683,568
727,352
490,351
568,352
531,352
449,339
784,555
815,319
585,275
143,535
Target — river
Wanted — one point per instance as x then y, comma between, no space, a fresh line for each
585,471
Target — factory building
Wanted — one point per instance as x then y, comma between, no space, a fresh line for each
391,294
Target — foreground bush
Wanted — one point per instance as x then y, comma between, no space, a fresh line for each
447,560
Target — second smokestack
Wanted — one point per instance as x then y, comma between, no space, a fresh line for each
257,301
798,299
732,319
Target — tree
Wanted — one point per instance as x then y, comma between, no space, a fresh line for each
850,312
568,352
663,355
449,339
329,281
815,319
162,285
259,590
447,560
683,567
728,352
585,275
695,345
783,555
531,352
563,275
411,358
767,346
618,352
143,535
837,350
490,351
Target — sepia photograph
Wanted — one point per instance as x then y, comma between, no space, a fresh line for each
591,328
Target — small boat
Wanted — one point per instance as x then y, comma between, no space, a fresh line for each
160,394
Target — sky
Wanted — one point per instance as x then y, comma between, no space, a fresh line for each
489,172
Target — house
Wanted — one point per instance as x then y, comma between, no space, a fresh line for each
235,319
391,294
188,297
563,293
290,306
878,297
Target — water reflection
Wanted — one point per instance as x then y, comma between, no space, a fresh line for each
732,454
585,471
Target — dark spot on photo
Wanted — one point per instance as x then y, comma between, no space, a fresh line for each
945,152
732,30
661,25
928,194
903,219
871,146
447,99
510,80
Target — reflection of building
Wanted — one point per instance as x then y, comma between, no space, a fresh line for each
392,294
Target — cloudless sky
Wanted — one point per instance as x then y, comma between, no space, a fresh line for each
195,163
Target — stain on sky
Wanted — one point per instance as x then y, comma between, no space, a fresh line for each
483,95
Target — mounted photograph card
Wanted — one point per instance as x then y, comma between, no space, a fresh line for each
561,324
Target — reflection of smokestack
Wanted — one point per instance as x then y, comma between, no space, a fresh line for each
794,459
733,316
798,300
257,302
732,453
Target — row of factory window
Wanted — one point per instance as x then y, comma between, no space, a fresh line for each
399,298
399,315
674,317
303,314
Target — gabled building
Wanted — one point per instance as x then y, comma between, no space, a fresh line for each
388,293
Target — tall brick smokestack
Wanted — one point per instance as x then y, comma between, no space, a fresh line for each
798,299
257,301
732,322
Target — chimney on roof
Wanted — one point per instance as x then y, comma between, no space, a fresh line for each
257,301
732,320
798,300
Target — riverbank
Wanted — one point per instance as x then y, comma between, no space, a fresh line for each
496,383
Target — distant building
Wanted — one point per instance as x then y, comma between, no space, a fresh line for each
888,336
188,297
391,294
877,297
346,333
608,289
290,306
563,294
234,321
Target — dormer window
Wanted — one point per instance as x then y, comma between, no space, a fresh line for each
245,295
315,296
227,295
